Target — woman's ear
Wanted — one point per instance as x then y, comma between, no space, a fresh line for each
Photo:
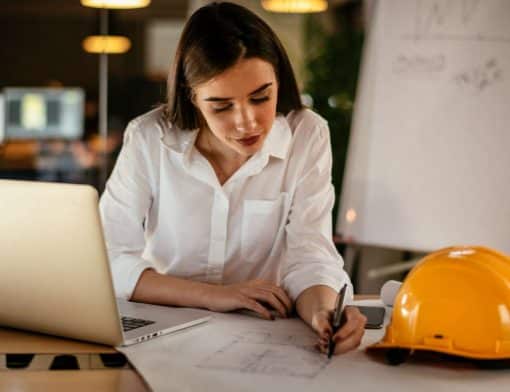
199,116
192,97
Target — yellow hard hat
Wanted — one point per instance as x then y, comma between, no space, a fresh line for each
454,301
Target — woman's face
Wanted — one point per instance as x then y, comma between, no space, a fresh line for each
239,106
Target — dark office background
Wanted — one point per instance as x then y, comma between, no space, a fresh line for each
42,46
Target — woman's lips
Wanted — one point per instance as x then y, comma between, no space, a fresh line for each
248,141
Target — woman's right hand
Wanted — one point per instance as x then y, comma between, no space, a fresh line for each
257,295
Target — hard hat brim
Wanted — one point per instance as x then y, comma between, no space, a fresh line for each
449,351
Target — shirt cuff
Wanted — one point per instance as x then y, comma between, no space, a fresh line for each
126,271
306,280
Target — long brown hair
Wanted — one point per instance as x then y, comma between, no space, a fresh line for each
214,38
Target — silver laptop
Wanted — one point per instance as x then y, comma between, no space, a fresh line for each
54,272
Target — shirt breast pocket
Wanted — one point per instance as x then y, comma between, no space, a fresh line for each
262,222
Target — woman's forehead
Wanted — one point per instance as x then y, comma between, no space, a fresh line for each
242,79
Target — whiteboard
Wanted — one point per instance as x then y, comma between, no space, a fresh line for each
428,162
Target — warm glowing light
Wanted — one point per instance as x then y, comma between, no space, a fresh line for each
462,252
295,6
350,216
118,4
111,44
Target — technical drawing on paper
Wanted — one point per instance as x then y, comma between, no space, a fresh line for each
269,353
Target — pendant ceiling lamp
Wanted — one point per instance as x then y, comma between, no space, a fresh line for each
104,44
114,42
295,6
111,44
117,4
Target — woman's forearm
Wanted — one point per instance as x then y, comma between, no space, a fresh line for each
256,295
314,299
159,289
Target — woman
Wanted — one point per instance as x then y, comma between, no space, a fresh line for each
222,198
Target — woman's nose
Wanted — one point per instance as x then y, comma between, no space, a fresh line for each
245,120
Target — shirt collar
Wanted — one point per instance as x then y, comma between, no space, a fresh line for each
278,141
181,141
176,139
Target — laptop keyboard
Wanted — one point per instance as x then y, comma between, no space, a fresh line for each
130,323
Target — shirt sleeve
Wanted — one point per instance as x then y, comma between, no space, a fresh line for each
123,207
311,257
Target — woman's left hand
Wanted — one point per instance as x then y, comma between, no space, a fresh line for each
347,338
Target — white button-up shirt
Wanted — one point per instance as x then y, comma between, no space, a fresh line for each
164,208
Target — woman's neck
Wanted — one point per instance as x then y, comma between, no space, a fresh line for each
224,161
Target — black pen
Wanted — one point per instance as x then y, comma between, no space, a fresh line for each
337,318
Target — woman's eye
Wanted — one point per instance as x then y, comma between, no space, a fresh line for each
221,108
260,99
254,100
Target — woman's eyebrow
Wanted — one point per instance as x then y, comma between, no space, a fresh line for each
261,88
257,90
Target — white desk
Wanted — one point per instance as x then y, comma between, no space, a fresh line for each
240,353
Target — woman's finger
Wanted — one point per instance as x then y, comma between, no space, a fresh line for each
269,298
323,348
283,297
321,324
251,304
351,342
323,340
353,318
276,290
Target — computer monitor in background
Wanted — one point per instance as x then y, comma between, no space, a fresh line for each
43,113
2,124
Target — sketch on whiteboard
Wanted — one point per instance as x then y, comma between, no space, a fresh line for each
419,64
480,77
438,15
459,20
270,353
